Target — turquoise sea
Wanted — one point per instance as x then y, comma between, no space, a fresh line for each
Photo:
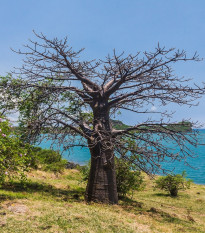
82,155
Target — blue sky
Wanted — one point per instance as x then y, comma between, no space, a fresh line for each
101,26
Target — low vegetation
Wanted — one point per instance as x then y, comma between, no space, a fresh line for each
129,178
48,160
37,194
173,183
15,157
54,202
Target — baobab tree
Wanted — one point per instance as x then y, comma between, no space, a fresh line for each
73,101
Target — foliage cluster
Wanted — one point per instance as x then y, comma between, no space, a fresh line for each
173,183
15,156
48,160
128,177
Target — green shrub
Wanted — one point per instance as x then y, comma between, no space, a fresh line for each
15,156
47,156
56,167
128,178
173,183
48,160
85,170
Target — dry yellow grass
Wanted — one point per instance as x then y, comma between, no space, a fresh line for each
54,203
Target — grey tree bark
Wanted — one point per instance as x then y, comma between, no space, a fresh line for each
102,186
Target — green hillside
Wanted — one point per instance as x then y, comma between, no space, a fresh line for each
119,125
183,126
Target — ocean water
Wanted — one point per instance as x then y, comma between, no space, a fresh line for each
197,174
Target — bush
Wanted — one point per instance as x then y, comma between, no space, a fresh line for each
15,156
128,178
56,167
85,170
48,160
47,156
173,183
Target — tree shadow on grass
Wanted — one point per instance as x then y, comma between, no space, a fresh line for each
128,203
180,195
30,187
140,208
162,194
5,197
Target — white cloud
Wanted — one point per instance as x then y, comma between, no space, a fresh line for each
13,117
153,108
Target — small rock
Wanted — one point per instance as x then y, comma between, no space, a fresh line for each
71,165
19,209
3,213
2,223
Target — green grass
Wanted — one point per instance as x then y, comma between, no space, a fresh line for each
55,203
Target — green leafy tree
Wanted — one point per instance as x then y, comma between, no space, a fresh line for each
14,155
173,183
129,178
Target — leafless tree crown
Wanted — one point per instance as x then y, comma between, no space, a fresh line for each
79,97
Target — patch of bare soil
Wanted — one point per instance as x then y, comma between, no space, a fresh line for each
16,207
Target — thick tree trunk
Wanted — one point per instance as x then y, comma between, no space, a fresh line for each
102,185
174,192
